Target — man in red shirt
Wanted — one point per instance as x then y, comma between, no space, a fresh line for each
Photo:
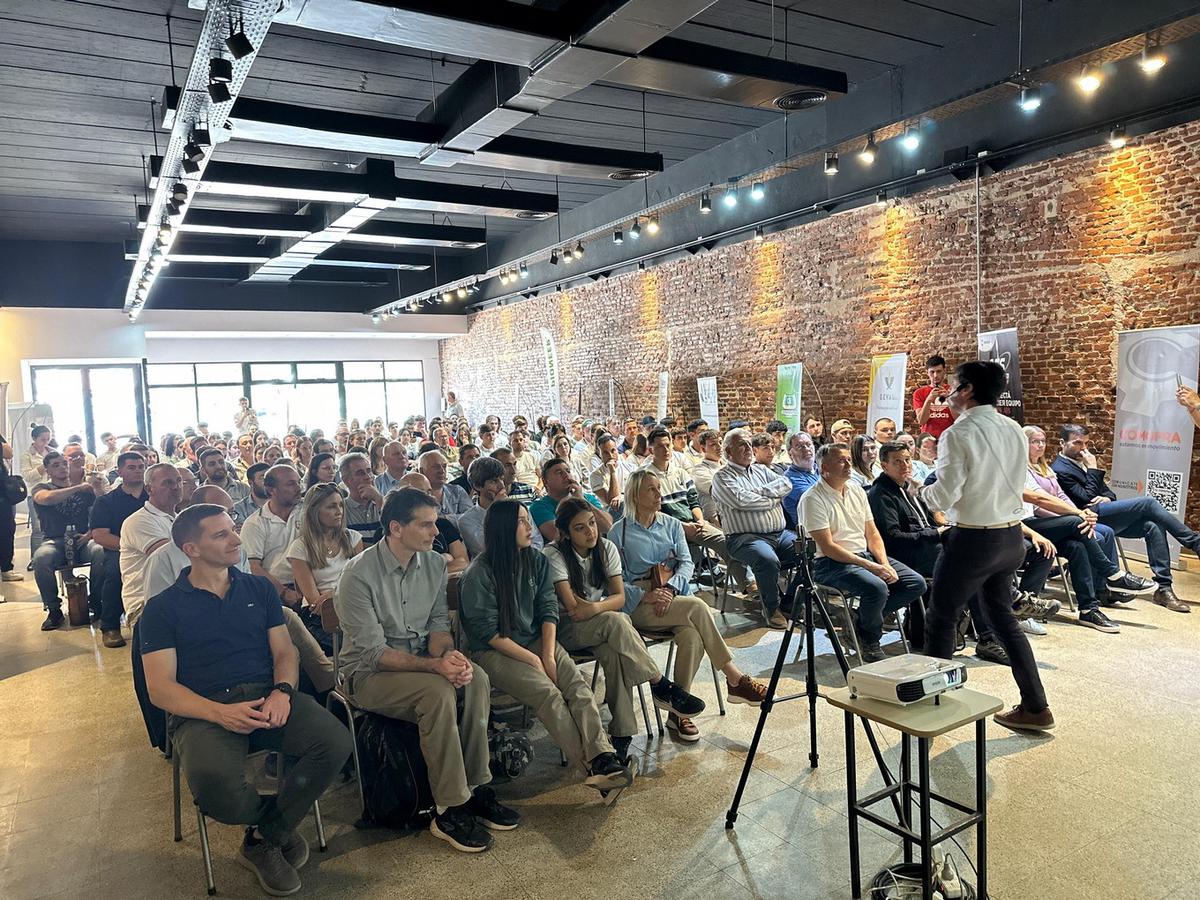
929,401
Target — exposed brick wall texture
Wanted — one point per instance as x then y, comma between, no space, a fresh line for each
1122,252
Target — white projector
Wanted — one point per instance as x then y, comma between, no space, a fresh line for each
906,679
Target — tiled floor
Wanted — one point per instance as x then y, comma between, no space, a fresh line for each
1104,807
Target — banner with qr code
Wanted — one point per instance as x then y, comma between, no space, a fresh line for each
1152,448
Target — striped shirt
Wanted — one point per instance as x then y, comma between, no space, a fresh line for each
679,495
748,498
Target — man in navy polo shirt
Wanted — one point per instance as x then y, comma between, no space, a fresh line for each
218,658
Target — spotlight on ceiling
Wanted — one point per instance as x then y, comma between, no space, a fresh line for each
652,225
705,203
461,293
554,257
237,42
618,236
579,250
524,270
567,256
641,265
164,231
758,234
1116,137
881,198
731,198
757,192
1089,79
193,150
447,296
376,318
179,191
831,163
218,92
1152,60
201,136
635,230
174,207
190,167
912,138
866,155
220,70
1031,99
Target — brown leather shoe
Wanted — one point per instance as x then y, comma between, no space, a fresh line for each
1019,720
1165,596
748,690
112,638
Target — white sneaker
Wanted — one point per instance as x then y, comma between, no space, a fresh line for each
1032,626
13,576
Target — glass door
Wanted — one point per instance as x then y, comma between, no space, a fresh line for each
90,400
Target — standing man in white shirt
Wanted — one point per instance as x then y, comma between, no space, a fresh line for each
981,478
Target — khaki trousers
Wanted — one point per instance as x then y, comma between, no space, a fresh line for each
316,665
621,653
456,752
713,538
690,621
565,707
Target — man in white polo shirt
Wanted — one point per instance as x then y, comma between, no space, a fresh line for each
268,531
850,552
144,532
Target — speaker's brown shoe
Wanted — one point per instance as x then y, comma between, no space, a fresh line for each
1019,720
1165,596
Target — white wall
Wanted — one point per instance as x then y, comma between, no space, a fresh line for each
34,335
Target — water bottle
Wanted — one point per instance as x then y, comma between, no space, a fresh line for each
70,548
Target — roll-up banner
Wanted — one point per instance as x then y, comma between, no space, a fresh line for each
550,350
1152,447
1001,347
664,384
788,395
886,391
707,389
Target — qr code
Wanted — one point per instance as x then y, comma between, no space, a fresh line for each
1165,487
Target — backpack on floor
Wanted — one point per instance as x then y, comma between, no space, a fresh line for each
395,777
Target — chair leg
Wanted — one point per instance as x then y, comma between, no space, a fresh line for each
595,675
717,687
670,661
175,784
1066,583
362,797
645,712
321,845
206,852
902,622
852,628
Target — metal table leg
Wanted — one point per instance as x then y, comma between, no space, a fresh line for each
926,841
906,790
852,796
981,804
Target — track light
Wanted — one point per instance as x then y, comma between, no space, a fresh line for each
1031,99
461,293
867,154
881,198
179,191
554,257
375,319
635,230
193,151
567,256
730,199
756,191
1152,60
220,70
641,265
474,288
524,270
218,92
447,296
164,231
237,42
1116,137
1089,79
652,225
705,203
618,236
579,250
831,163
190,167
758,234
504,276
912,138
174,207
201,137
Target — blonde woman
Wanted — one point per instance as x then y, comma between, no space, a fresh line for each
323,546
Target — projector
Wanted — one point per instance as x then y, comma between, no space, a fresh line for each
906,679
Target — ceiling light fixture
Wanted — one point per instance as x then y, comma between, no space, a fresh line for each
218,92
1031,99
831,163
912,138
1152,59
1116,137
579,250
731,198
758,234
1089,79
567,256
220,70
193,151
554,257
179,191
757,192
376,318
881,198
652,225
618,236
705,203
237,42
866,155
447,296
190,167
635,230
461,293
524,270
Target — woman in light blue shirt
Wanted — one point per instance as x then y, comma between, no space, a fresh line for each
654,550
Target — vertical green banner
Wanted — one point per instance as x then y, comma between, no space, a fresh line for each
787,395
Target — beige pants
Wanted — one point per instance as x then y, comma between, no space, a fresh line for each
316,665
565,706
621,653
691,622
456,752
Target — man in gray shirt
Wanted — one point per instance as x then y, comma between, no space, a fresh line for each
363,500
399,661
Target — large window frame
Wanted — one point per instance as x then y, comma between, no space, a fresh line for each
90,436
249,382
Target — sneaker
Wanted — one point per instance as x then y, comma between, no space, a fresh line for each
1125,583
1019,720
12,576
112,638
621,746
671,697
606,773
461,830
295,849
1110,600
777,621
1032,626
992,651
873,652
685,729
490,812
54,619
275,874
748,690
1094,618
1165,597
1031,606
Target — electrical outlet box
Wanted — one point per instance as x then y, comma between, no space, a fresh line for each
1050,208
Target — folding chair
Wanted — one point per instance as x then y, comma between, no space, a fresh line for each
339,696
583,658
653,638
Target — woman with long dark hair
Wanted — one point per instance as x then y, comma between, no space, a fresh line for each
321,471
586,572
864,453
510,614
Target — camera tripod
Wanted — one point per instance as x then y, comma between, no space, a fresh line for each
802,582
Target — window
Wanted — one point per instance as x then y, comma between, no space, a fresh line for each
88,400
305,394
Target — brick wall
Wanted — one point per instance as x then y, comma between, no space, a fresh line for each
1121,252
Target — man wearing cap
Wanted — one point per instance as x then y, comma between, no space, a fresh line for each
842,431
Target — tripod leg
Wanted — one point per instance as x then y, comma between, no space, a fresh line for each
764,711
810,686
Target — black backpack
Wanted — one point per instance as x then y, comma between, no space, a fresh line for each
395,777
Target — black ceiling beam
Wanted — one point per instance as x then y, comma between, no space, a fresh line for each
239,222
343,275
418,234
553,158
371,258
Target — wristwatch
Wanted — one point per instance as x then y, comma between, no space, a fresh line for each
285,688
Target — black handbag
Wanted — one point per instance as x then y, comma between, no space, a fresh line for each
12,487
